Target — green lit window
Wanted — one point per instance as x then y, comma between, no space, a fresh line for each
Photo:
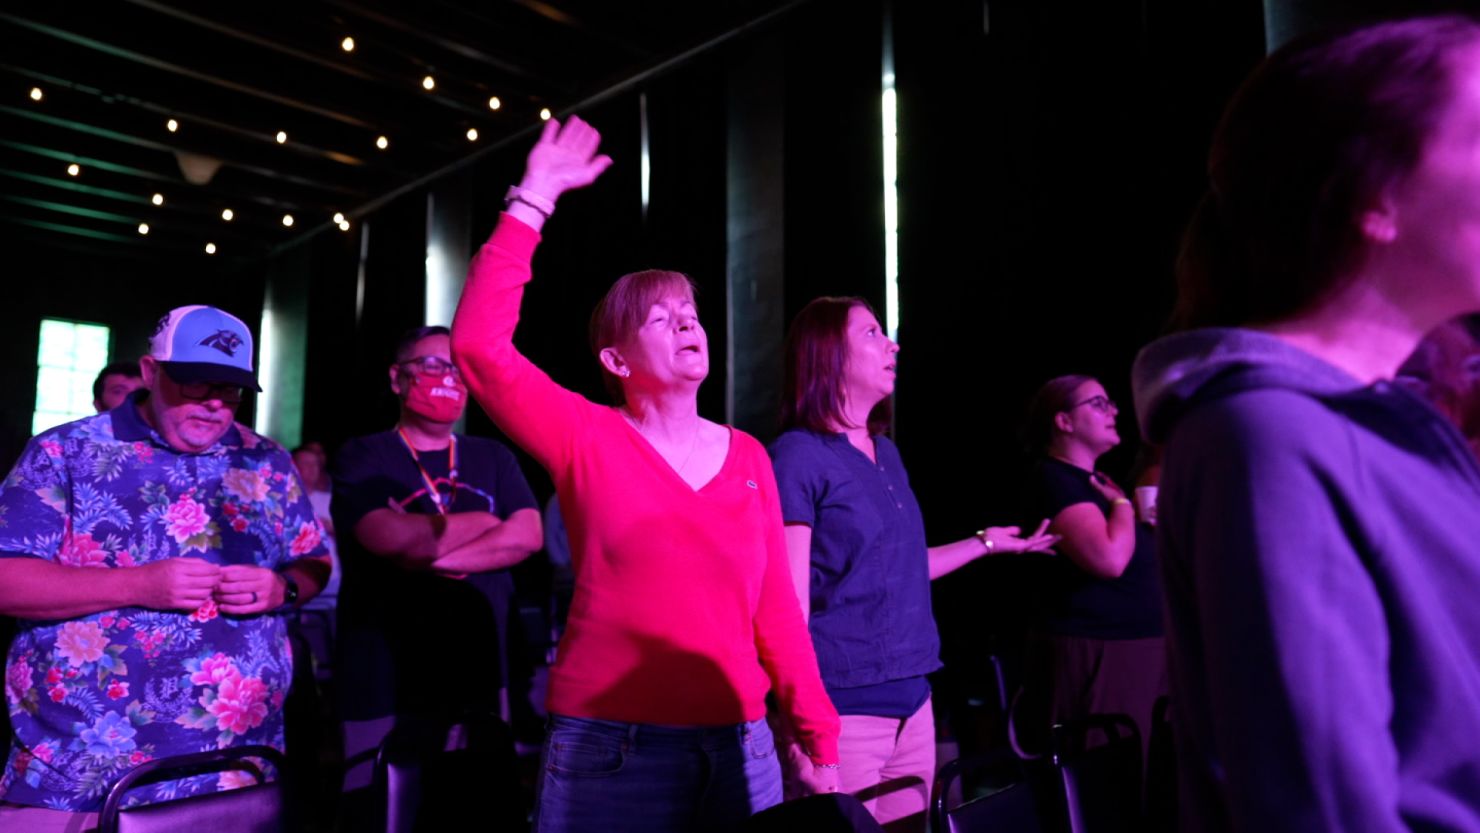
67,362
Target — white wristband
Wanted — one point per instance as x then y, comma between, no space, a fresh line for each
529,198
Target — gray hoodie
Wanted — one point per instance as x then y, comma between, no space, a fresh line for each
1320,550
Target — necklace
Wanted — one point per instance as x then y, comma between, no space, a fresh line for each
442,502
693,444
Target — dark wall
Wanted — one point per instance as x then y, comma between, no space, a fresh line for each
49,276
1049,161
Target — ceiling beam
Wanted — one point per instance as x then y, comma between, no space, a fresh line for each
239,32
631,82
278,173
184,71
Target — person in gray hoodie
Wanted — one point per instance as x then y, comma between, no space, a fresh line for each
1319,527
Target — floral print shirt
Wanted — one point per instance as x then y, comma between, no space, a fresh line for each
91,697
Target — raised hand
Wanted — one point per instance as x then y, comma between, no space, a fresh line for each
564,158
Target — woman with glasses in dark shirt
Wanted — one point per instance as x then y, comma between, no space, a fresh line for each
1099,646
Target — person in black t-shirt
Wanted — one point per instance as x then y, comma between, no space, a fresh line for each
1099,645
429,523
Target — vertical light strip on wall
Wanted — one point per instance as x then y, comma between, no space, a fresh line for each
435,270
647,163
360,273
891,209
890,120
262,420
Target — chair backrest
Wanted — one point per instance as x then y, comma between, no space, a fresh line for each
316,627
256,809
1161,771
1006,803
1102,783
826,813
437,774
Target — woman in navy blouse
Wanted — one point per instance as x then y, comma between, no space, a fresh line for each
856,543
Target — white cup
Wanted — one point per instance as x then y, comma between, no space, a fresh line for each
1146,504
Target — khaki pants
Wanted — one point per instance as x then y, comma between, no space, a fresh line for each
888,764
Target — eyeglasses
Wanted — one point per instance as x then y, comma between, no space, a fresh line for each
1101,403
204,391
432,364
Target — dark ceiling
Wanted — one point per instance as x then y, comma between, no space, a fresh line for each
98,83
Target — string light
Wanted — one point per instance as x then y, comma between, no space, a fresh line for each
338,218
143,228
227,214
36,94
348,44
344,226
210,248
74,169
282,137
494,103
472,134
429,83
172,125
382,143
157,199
544,114
288,220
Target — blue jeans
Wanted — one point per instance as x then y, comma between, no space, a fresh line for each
609,777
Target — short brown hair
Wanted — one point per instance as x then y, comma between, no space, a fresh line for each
816,357
1055,397
621,313
412,337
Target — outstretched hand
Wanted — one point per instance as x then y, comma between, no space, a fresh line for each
564,158
1009,539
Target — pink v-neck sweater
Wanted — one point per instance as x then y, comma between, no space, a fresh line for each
684,612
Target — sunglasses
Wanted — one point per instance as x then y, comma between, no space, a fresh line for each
203,391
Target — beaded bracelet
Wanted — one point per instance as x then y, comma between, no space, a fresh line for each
529,198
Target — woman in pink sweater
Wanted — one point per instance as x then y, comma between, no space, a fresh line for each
684,615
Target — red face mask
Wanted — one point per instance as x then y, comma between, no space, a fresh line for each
439,397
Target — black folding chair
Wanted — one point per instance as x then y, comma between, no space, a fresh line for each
826,813
435,775
1102,782
255,809
996,796
1161,771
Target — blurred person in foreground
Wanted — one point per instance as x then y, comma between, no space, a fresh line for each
1317,523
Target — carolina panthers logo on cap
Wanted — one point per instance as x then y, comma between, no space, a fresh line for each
224,340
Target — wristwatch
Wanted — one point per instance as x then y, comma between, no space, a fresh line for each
290,590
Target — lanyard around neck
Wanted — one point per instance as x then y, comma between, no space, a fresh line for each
443,504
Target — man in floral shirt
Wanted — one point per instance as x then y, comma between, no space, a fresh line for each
148,554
